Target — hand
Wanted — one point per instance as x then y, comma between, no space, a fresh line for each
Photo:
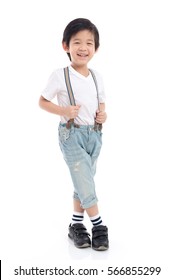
71,111
101,116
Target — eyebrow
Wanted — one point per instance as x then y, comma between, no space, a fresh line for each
89,40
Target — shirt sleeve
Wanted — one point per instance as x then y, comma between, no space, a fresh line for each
52,87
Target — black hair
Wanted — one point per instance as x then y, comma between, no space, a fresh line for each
77,25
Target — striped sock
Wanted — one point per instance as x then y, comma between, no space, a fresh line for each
96,220
77,217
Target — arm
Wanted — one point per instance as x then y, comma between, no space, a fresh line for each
101,115
69,111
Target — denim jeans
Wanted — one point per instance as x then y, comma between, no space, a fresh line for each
81,148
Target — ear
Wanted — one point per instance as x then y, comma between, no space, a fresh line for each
65,47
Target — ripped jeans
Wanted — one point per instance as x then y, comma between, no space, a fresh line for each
81,148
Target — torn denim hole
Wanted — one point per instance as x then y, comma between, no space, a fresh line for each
76,166
64,134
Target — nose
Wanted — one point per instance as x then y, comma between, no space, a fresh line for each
82,47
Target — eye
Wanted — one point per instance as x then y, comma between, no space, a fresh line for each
90,43
76,42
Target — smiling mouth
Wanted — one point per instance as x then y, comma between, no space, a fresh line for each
82,55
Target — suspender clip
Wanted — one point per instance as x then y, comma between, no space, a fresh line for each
97,126
71,123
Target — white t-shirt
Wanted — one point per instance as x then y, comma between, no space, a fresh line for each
84,90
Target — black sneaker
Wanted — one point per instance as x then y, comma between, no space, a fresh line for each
78,233
100,240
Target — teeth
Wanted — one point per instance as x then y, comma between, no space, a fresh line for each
82,55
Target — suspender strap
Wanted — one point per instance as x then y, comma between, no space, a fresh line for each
97,126
70,94
69,87
96,85
72,99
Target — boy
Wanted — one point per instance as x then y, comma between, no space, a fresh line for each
81,108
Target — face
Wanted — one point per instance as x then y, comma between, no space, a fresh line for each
81,48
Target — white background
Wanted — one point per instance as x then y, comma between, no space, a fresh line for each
135,169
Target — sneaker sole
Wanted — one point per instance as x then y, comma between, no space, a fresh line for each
85,245
101,248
